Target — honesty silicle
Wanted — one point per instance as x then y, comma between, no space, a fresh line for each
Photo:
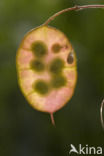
46,67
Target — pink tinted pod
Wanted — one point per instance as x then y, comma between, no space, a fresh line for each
46,67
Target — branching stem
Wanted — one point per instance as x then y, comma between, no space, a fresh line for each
71,9
101,114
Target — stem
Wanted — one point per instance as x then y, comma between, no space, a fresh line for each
101,113
52,119
70,9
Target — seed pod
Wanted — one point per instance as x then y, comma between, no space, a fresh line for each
46,66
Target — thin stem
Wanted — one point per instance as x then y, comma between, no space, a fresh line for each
52,119
70,9
101,113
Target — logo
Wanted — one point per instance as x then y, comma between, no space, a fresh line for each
85,150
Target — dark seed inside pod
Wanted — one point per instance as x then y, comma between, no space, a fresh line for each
58,81
41,87
39,49
56,48
37,65
56,66
70,58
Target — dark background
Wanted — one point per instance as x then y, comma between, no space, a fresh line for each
25,131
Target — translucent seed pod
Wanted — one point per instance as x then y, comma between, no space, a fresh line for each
46,67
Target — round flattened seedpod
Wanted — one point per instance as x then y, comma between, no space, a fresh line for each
46,67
